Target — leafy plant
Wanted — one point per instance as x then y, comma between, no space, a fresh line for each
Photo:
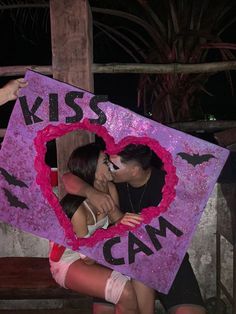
159,32
168,31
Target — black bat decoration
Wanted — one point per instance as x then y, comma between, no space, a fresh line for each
11,179
13,200
195,159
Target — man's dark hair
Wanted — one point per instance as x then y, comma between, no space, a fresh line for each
83,162
139,153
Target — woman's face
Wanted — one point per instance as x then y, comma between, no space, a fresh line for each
102,172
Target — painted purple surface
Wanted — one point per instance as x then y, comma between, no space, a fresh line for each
24,147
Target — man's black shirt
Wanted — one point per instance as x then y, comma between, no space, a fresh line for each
134,199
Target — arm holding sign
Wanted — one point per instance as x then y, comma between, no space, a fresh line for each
10,91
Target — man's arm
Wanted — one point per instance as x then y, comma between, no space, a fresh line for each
74,185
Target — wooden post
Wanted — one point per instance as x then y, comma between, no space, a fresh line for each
71,34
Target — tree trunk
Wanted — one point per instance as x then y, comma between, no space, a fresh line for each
71,28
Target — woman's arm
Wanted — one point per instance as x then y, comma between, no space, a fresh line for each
80,227
79,222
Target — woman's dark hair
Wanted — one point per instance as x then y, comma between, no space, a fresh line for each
70,204
83,162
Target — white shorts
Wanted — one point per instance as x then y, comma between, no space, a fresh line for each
59,271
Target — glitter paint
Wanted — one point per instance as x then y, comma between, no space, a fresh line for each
48,109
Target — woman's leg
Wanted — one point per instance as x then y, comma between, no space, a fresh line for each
92,280
145,296
103,308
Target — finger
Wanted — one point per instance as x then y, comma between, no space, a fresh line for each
105,208
21,82
101,210
13,97
127,223
139,219
110,205
17,93
135,216
136,222
134,219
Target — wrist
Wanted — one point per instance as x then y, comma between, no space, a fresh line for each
89,190
3,96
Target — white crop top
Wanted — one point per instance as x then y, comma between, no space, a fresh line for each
103,223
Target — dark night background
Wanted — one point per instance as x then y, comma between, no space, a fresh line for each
31,45
23,43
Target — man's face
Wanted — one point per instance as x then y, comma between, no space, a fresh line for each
120,171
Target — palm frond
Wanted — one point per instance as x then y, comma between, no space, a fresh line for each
186,31
135,35
152,32
151,13
110,32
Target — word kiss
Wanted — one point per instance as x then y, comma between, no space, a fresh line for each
31,117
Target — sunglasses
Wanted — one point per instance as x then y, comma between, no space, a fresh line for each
111,166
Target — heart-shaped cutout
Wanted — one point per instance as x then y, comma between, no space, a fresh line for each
43,177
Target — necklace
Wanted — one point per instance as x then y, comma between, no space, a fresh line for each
141,198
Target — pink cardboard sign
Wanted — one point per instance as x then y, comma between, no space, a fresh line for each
151,252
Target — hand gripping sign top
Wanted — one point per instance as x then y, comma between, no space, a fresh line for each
151,252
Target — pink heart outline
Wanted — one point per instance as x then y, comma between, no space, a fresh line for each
51,132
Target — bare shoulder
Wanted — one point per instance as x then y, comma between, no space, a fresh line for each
79,213
79,221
